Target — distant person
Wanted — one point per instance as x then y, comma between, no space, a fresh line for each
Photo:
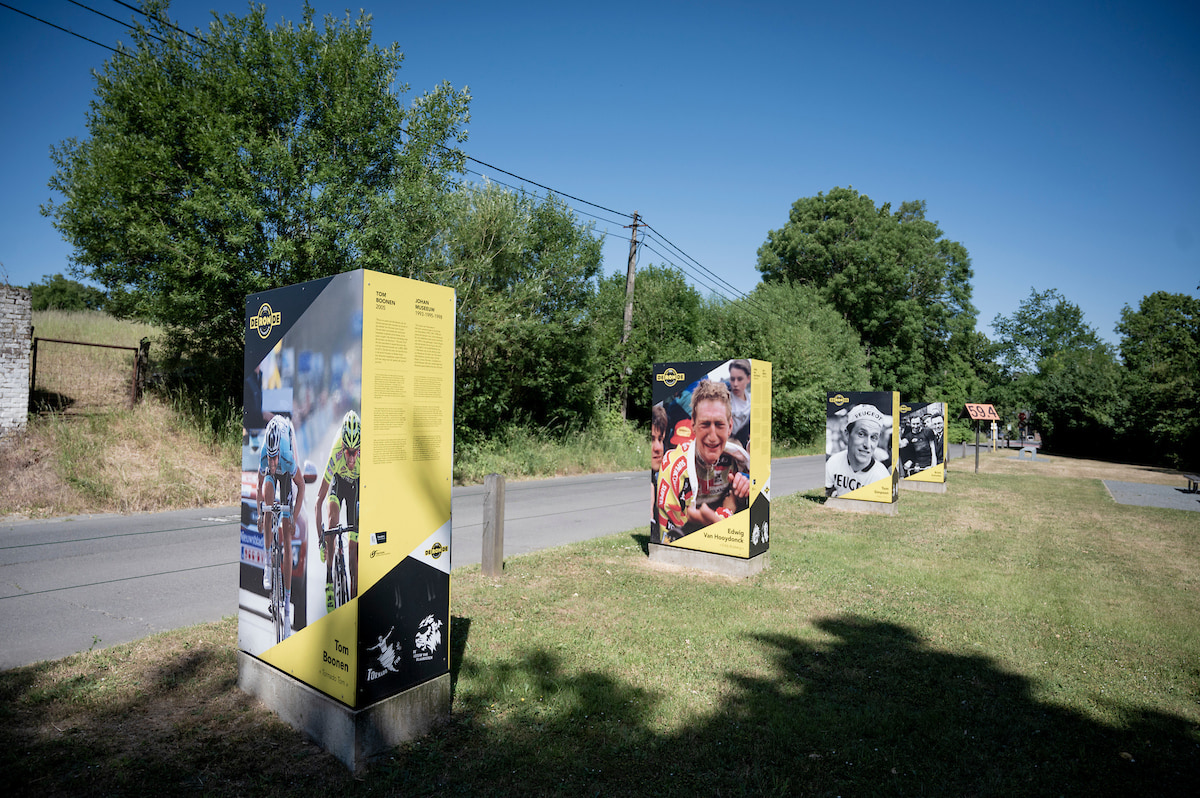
739,400
857,465
707,478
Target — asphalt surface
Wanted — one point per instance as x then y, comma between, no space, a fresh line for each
80,582
1144,495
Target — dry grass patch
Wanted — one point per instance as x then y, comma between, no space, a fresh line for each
125,461
1060,466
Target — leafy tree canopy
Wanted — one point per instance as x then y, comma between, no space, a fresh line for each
1044,325
524,271
247,159
666,327
1160,344
892,275
1061,370
812,350
58,293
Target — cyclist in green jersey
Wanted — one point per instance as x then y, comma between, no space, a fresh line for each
341,475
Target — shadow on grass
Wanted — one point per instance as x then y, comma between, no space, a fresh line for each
816,497
42,401
460,631
875,711
870,710
642,542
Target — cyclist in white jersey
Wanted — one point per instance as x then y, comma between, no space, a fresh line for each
277,474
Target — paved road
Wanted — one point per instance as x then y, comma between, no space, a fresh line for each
68,584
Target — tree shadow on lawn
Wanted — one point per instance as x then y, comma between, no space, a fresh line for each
872,710
876,711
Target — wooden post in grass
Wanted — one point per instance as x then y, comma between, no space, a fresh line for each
493,525
976,447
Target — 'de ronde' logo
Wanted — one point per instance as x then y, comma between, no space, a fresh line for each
838,400
436,550
266,320
670,377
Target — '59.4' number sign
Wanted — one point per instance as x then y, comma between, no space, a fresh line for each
982,413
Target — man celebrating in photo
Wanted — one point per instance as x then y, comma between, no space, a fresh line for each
707,478
857,466
918,450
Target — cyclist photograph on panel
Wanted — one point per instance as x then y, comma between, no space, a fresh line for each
703,476
304,389
339,489
278,473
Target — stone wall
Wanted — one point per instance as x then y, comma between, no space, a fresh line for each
16,332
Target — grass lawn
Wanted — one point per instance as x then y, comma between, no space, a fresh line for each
1020,635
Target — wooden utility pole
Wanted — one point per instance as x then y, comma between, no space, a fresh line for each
628,313
629,278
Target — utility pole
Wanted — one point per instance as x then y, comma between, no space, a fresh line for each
628,313
629,278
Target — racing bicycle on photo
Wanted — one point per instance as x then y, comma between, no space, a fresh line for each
341,576
275,563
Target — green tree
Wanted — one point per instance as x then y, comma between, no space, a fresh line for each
56,292
524,271
1058,367
893,276
666,328
1160,346
812,350
1045,324
254,158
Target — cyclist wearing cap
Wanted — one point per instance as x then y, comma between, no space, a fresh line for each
856,466
277,474
341,474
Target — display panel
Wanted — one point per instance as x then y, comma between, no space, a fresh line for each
861,446
349,397
922,440
711,456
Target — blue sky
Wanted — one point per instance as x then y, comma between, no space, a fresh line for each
1057,141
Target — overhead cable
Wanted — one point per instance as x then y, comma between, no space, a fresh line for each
717,289
61,28
129,25
162,19
547,188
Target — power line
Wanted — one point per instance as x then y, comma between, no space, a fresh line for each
699,265
737,295
64,30
102,14
162,19
129,25
740,296
551,194
547,188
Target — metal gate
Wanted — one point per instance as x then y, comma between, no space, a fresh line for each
61,381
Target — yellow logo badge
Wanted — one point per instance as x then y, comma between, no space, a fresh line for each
265,321
436,550
838,400
670,377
